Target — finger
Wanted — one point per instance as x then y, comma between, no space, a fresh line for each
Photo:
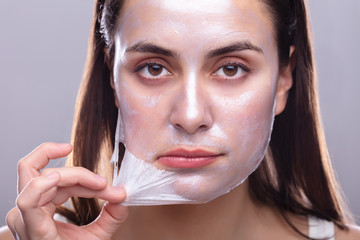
72,176
5,233
19,229
78,176
109,220
30,166
15,224
11,218
110,194
38,219
30,196
29,202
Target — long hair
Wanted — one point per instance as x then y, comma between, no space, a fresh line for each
296,175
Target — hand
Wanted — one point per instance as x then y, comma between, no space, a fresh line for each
40,192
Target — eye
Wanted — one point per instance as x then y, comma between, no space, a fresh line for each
152,70
232,70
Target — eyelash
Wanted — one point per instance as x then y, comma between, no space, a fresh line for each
239,66
144,66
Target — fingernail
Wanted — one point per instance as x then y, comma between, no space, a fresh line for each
120,190
100,178
53,175
64,145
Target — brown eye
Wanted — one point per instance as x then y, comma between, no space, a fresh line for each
230,70
155,70
152,71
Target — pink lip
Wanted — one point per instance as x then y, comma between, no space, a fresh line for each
182,158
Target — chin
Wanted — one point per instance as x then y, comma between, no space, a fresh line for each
202,189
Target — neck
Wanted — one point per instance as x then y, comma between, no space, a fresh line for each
230,216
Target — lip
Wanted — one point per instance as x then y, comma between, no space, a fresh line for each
184,158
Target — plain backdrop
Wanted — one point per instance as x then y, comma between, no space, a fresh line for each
43,47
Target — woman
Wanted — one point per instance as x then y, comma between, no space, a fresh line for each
176,71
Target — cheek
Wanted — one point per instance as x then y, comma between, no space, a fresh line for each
141,117
248,127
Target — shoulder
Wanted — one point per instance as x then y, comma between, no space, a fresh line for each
5,233
352,234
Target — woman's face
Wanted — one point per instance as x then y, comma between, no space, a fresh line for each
197,84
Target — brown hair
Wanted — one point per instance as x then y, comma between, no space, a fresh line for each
296,175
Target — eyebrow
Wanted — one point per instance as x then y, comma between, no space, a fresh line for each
237,46
145,47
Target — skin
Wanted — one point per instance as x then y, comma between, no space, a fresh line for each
232,216
191,103
40,192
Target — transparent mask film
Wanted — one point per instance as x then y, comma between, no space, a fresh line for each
146,183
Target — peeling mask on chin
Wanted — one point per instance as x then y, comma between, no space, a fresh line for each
146,184
191,132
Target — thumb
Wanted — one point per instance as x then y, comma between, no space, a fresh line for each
109,220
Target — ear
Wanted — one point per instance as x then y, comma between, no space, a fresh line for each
112,84
285,82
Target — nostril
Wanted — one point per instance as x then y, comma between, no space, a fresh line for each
191,118
203,127
191,130
178,126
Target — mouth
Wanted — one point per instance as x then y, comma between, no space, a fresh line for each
182,158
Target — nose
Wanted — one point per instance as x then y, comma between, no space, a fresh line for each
191,111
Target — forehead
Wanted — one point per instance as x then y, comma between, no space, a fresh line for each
188,22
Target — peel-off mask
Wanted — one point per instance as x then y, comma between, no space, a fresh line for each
196,101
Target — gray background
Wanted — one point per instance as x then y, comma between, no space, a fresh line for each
43,47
